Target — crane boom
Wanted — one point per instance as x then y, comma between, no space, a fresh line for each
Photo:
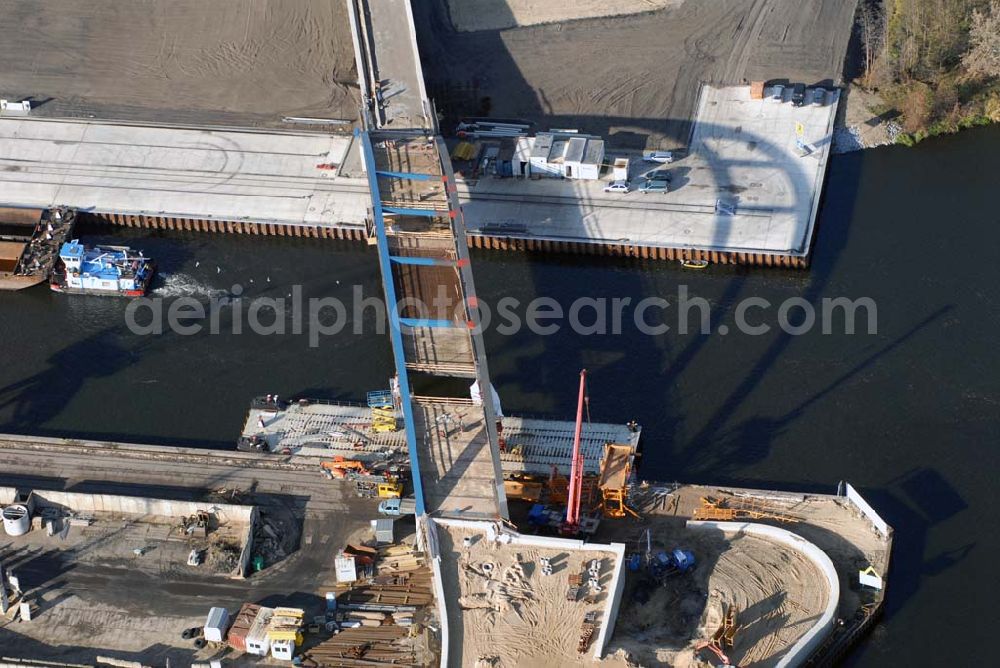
576,470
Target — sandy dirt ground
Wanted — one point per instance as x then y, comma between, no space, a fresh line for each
632,79
830,523
777,592
468,15
514,615
245,62
772,588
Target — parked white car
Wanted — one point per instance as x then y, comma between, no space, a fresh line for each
663,157
617,187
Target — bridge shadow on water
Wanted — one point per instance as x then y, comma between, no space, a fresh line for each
714,409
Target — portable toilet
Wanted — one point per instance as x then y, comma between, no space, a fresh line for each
619,171
635,562
383,530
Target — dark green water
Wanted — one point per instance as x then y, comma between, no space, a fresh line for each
910,415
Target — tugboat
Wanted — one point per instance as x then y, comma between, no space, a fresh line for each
102,270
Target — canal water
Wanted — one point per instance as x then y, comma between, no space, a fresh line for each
910,414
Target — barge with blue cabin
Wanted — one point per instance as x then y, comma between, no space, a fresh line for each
102,270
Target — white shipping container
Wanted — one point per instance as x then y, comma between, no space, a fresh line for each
257,641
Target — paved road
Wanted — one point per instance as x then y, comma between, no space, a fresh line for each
397,64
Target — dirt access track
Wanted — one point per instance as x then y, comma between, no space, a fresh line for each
234,62
632,79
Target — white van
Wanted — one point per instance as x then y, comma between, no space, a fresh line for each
662,157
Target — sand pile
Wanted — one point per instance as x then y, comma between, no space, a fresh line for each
250,61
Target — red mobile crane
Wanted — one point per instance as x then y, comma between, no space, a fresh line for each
572,524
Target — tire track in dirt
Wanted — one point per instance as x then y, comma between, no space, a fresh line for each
250,59
636,76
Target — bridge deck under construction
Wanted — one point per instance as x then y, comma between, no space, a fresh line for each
453,443
455,460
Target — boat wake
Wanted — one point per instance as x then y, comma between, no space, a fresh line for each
184,285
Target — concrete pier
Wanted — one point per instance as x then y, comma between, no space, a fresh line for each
323,430
766,159
231,176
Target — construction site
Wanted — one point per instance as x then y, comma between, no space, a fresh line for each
636,84
682,575
781,579
422,527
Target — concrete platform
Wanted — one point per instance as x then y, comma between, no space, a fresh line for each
742,151
328,429
179,172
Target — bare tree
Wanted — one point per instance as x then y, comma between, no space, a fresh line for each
871,24
983,56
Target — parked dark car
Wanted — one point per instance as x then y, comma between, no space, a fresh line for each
659,175
799,95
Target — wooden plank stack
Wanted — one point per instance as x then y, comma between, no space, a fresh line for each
398,558
386,607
